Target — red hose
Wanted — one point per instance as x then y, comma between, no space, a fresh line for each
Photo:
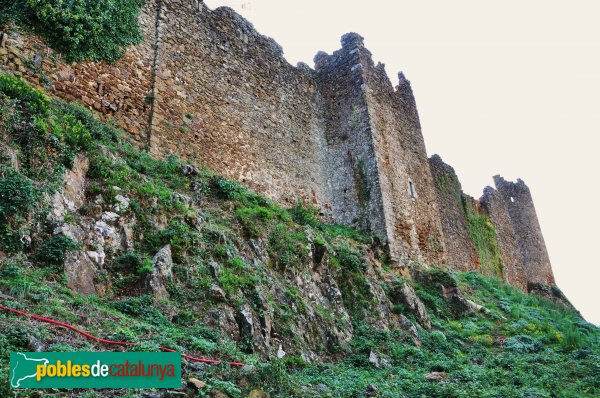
120,343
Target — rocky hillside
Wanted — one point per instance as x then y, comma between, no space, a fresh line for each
100,235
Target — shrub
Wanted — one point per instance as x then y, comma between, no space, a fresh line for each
17,194
54,250
231,282
134,263
288,246
18,197
304,215
522,343
254,218
142,307
98,130
80,29
16,88
573,338
350,259
230,189
183,240
66,128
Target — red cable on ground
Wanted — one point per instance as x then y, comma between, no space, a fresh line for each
120,343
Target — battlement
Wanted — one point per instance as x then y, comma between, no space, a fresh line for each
206,86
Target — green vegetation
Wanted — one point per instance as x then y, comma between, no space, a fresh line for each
53,250
483,235
480,229
17,89
518,349
450,186
133,263
80,29
235,249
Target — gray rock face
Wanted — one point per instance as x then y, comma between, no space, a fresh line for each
411,330
9,156
72,196
189,170
122,203
245,322
81,273
105,230
186,200
162,274
74,187
216,293
407,296
109,217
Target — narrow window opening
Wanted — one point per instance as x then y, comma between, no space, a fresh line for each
411,189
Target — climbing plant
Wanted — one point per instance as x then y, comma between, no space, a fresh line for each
93,30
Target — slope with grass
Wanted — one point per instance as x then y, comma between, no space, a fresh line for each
314,309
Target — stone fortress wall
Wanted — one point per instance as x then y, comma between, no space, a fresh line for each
206,86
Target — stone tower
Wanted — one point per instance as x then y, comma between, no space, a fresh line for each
520,238
378,168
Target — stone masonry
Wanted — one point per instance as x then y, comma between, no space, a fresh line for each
511,209
460,251
206,86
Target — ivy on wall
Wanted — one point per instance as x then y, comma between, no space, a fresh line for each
483,235
92,30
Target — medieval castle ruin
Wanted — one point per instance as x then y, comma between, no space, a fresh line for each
205,85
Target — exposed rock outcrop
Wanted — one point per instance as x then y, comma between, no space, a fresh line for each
162,273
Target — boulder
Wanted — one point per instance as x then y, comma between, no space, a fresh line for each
81,273
436,376
162,273
258,394
197,384
405,295
72,195
216,294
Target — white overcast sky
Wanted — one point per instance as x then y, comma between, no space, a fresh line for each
506,87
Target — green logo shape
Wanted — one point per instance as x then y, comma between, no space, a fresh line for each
95,370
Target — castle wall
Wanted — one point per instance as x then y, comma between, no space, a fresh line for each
226,96
424,211
206,86
460,252
512,211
